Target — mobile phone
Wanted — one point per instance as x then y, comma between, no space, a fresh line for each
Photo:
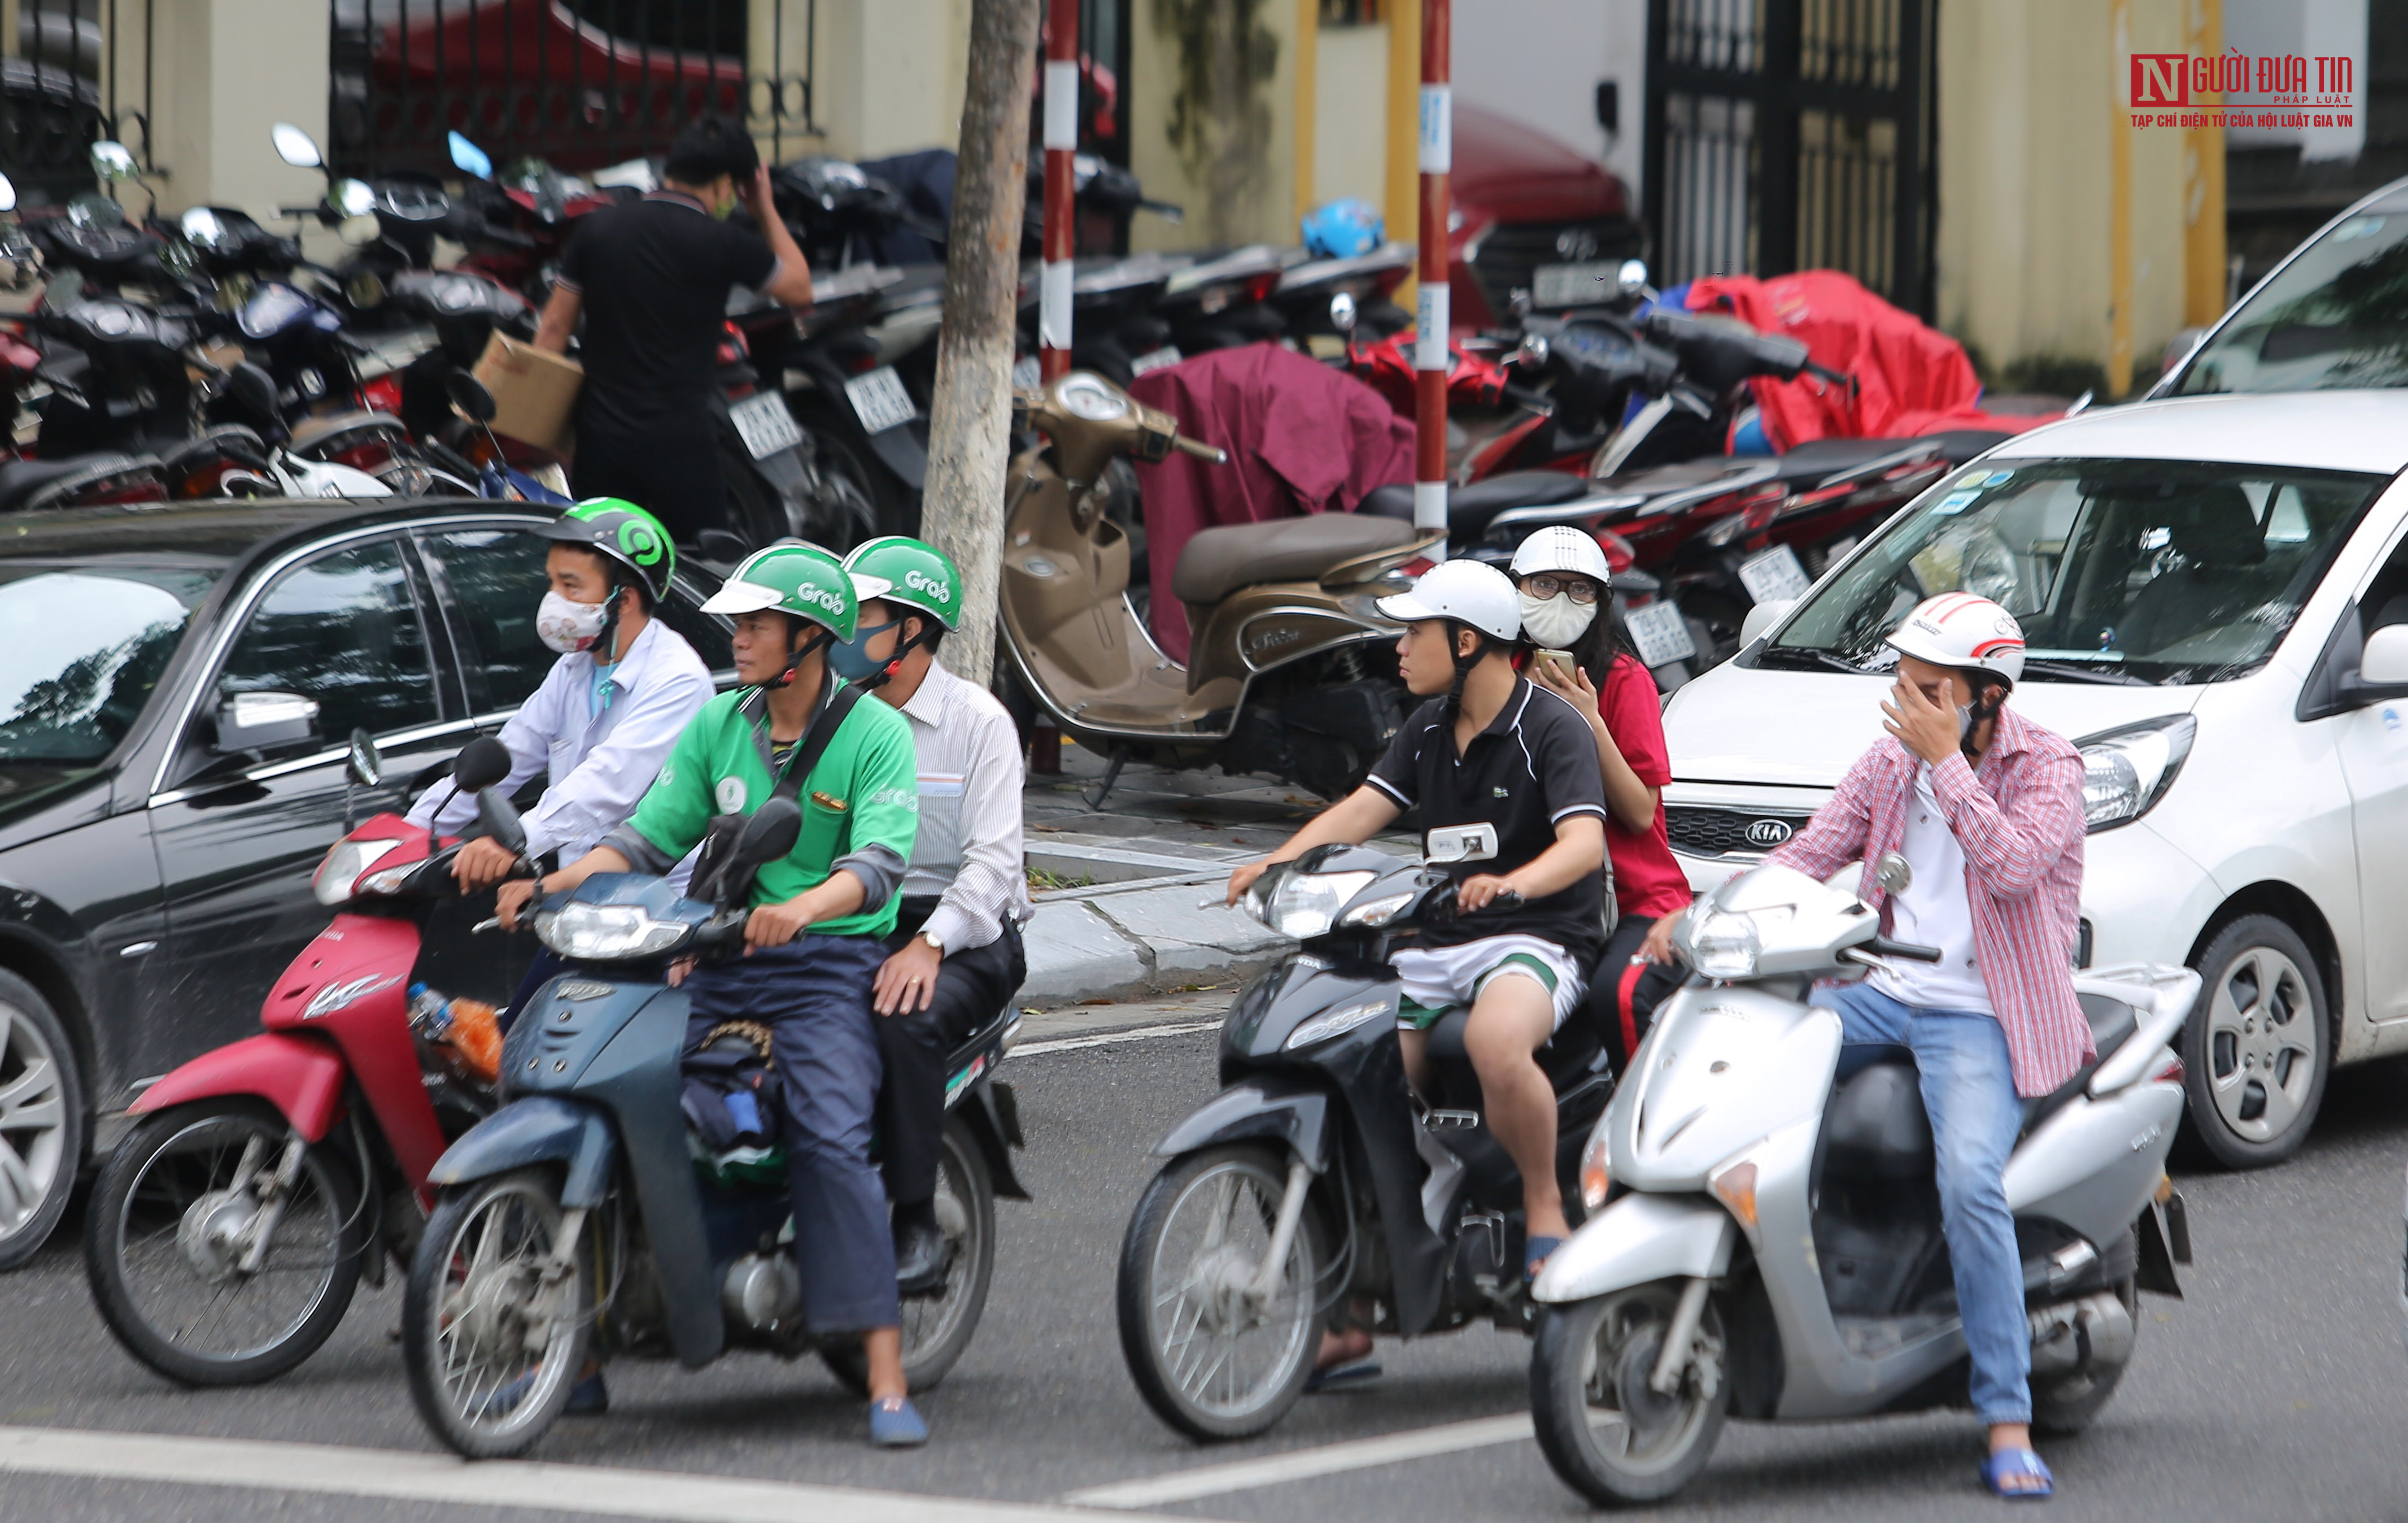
1562,659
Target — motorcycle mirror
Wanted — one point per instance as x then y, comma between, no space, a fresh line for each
254,390
202,229
471,397
769,834
501,821
1895,874
481,763
1341,312
296,147
365,290
365,766
1534,351
357,232
469,159
112,161
1632,277
7,195
1450,843
351,197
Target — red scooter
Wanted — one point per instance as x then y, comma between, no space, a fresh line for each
227,1233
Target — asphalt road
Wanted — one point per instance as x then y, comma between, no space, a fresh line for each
2274,1390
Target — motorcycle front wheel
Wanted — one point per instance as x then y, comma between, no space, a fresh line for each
1213,1358
172,1243
492,1338
937,1328
1607,1434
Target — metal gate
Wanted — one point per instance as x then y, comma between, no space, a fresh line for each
580,84
1786,135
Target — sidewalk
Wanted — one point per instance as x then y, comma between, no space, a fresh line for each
1139,912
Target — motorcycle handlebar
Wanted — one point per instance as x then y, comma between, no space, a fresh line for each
1912,952
1210,454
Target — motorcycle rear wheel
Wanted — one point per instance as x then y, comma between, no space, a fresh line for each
475,1308
937,1330
1604,1433
1175,1296
162,1236
2067,1406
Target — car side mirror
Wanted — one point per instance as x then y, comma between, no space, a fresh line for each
1761,618
263,721
1450,843
365,766
2384,663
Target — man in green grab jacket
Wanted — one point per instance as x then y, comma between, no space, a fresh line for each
812,946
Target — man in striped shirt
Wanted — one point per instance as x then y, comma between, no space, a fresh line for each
1986,808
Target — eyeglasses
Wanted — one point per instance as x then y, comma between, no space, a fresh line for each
1580,589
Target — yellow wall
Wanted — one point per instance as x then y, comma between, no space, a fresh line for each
1261,206
890,74
1350,143
2029,95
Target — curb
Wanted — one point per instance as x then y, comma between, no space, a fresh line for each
1148,936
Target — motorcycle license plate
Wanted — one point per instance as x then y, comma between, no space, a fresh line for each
1154,359
1774,573
879,401
1660,633
1575,285
764,423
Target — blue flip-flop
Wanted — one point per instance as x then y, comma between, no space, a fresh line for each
895,1423
1535,1254
2006,1462
1339,1376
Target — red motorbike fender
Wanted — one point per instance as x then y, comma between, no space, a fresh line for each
300,1073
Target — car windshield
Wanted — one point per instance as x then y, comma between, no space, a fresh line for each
80,649
2335,318
2122,571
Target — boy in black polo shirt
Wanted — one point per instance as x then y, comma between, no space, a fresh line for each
1489,746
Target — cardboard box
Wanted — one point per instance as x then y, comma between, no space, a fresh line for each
534,392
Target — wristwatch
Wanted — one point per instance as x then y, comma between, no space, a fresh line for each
933,939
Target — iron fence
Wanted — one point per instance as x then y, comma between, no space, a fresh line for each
581,84
76,71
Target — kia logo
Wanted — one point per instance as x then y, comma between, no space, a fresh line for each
1767,832
1576,243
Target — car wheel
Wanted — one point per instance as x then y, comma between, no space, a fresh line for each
2257,1046
41,1120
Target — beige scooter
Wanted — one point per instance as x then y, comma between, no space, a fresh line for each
1292,669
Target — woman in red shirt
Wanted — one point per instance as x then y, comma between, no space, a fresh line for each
1567,589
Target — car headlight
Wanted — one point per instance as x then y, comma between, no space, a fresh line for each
608,932
1306,904
2125,771
1333,1023
1724,946
337,878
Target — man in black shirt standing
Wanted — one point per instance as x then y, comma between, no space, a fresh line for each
1489,747
652,280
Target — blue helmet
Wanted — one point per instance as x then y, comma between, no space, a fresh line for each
1343,229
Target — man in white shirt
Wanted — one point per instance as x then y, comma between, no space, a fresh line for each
955,958
606,714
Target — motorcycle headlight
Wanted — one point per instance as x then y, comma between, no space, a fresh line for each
1725,947
1306,904
1333,1023
608,932
2125,771
1379,911
337,878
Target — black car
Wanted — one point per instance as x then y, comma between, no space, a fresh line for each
152,886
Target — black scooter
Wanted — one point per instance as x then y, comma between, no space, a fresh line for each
581,1215
1317,1176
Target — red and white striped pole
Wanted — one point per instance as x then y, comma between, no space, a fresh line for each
1061,214
1432,319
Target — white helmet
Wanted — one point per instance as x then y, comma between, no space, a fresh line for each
1467,591
1965,631
1560,547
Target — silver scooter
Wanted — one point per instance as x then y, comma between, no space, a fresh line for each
1764,1243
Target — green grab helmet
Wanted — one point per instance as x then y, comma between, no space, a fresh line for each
802,580
622,533
917,574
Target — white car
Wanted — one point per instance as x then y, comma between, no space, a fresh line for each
2216,593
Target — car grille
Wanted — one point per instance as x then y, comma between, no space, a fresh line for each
1731,832
1510,251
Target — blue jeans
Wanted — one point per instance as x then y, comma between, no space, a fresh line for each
1968,1090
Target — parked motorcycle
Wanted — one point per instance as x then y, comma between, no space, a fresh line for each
1317,1176
1765,1238
1291,668
576,1220
226,1234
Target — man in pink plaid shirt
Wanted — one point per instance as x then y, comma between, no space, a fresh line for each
1987,809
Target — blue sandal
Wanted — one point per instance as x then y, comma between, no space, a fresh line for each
1339,1376
2006,1462
1535,1254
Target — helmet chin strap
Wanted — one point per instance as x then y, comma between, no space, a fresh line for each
1463,663
820,636
885,673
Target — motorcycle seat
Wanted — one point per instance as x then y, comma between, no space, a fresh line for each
22,481
1217,562
1468,509
1570,1060
316,433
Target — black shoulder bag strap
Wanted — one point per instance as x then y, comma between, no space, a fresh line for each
709,868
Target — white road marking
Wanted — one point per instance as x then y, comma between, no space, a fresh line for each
1305,1464
1105,1039
329,1470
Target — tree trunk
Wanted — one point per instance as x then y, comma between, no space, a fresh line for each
969,420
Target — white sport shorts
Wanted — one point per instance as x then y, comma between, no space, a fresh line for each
1438,978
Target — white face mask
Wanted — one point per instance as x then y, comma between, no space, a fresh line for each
568,625
1556,622
1964,723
